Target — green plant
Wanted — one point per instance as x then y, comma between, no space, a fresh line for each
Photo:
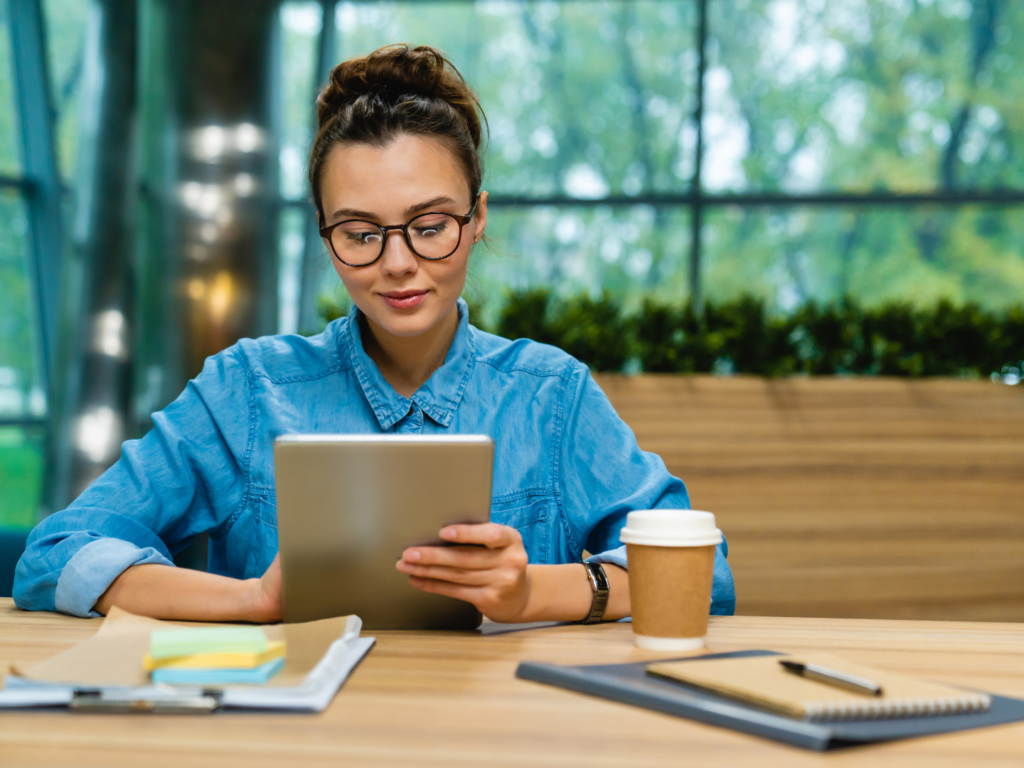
743,336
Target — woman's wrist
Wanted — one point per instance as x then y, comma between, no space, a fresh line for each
557,593
260,608
563,593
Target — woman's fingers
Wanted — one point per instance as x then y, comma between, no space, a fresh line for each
491,575
443,573
453,557
490,535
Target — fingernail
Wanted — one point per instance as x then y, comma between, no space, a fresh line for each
413,556
402,565
449,533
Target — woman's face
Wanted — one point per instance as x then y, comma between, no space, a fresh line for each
401,294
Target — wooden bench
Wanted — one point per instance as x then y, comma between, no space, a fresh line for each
872,498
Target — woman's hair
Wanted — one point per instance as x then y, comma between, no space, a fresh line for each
393,91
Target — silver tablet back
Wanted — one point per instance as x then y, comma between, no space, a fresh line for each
348,505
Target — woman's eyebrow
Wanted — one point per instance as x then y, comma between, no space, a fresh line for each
353,213
442,200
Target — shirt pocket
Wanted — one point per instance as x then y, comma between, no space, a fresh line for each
533,518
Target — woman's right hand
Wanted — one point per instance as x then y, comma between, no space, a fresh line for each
266,594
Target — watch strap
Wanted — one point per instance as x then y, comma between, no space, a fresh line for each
599,584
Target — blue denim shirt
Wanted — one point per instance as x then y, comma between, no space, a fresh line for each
567,468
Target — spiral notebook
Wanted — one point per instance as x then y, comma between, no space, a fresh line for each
762,682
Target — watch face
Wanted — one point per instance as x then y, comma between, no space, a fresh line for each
598,577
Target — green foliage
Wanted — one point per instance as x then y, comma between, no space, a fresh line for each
588,329
21,469
330,308
742,336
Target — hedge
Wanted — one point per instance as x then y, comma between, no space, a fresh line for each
743,336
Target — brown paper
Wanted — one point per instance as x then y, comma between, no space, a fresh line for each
113,656
670,589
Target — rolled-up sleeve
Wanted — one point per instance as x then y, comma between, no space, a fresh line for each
605,476
181,479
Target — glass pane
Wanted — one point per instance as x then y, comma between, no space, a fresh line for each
67,22
21,392
289,281
864,95
300,31
21,473
585,99
919,255
9,154
630,251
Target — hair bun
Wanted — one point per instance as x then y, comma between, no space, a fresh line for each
394,73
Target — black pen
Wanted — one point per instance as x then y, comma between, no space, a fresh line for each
833,677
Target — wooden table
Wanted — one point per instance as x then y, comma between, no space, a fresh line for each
432,698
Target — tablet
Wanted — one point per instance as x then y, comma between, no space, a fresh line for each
348,505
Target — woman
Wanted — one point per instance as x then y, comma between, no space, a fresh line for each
395,174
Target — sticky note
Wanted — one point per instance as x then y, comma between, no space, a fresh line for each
165,643
257,676
230,660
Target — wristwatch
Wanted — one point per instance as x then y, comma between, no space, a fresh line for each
599,583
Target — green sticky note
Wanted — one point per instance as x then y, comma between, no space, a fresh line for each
165,643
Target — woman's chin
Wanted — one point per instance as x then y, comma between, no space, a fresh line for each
406,323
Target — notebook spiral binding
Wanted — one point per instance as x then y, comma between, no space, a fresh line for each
834,711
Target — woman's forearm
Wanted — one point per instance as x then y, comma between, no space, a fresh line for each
563,593
165,592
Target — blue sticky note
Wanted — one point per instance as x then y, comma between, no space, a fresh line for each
256,676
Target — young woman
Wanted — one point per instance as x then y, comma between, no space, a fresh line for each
395,174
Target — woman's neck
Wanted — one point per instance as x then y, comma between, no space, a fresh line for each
407,362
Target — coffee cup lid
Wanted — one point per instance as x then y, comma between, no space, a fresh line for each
670,528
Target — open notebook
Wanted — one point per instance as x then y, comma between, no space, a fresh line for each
760,681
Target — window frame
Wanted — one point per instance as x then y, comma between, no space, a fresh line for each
696,198
41,191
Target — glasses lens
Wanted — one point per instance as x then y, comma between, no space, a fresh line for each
356,242
434,235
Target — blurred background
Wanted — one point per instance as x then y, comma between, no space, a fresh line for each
841,181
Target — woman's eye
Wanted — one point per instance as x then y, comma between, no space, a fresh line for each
363,238
430,230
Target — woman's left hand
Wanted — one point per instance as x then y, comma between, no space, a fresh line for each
493,577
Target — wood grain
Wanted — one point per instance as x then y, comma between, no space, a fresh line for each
451,699
881,498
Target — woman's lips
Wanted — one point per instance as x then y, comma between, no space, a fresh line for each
404,299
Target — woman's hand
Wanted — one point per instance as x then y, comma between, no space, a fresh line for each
265,594
493,577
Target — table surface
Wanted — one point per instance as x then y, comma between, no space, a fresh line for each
438,698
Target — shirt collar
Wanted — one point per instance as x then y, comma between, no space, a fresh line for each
437,398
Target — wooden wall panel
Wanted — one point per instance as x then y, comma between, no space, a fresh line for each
870,498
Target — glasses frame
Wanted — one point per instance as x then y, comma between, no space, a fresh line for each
463,220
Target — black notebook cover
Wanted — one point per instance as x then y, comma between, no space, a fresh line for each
630,684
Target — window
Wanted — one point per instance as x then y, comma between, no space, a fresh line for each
866,148
22,378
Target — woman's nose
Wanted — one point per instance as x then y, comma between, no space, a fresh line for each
398,258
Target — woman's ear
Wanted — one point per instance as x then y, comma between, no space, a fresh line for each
480,219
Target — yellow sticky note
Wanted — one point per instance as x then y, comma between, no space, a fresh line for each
221,660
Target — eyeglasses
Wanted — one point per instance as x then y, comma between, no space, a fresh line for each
431,236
